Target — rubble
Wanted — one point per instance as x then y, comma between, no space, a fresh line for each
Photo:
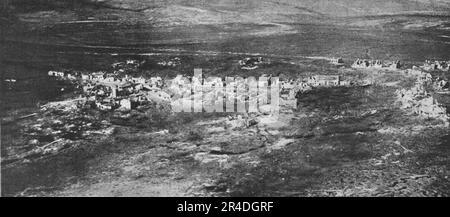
127,65
324,80
367,64
119,91
251,63
111,91
436,65
441,85
235,122
375,64
174,62
290,88
395,65
337,61
421,102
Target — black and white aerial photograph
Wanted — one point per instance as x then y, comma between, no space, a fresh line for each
225,98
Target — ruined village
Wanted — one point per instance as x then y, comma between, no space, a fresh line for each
103,100
117,90
120,93
225,98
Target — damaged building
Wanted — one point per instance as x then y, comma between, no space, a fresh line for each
110,91
337,61
324,80
251,63
436,65
376,64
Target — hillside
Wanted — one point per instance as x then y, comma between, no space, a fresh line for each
267,10
340,130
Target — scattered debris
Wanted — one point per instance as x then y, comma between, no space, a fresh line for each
251,63
174,62
421,102
337,61
375,64
436,65
110,91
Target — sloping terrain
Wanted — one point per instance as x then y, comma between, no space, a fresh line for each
241,11
338,142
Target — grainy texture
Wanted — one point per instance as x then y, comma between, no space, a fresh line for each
381,131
